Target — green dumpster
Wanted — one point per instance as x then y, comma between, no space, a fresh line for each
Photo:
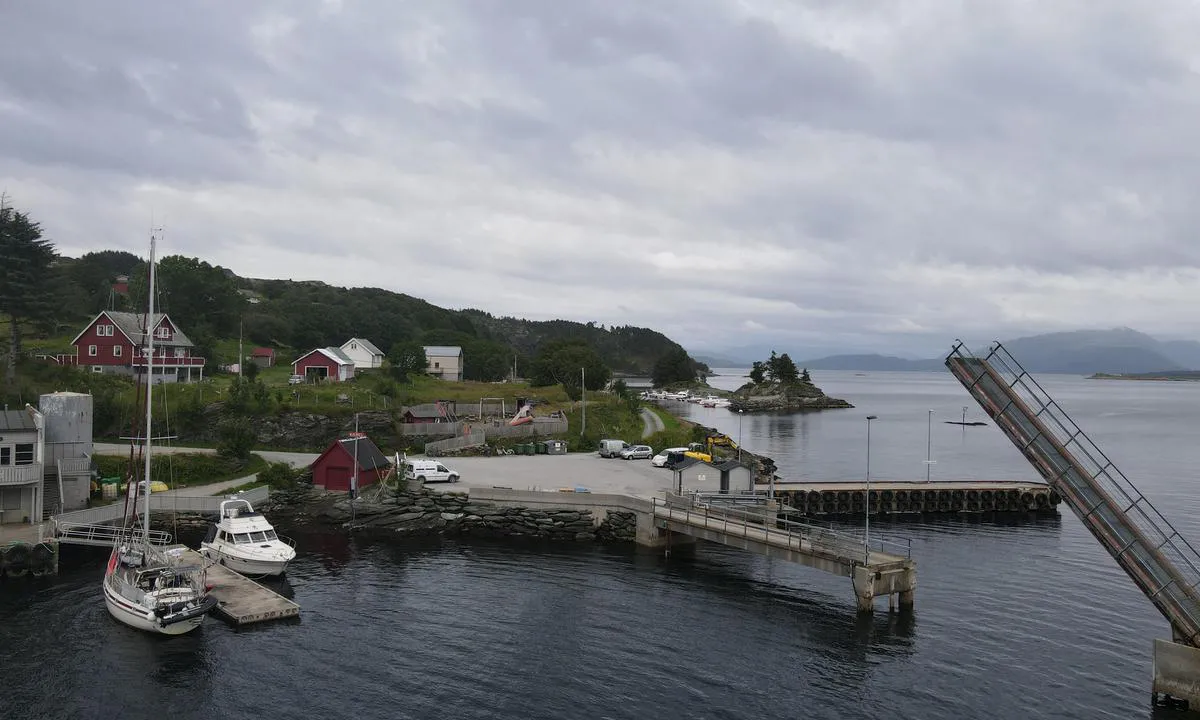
541,448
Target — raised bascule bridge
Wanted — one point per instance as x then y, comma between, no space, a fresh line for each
1160,561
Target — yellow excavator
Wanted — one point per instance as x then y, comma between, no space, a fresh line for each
704,451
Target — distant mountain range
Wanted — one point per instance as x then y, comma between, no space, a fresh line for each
1082,352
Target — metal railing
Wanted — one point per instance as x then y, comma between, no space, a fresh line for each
762,525
101,535
1142,541
20,474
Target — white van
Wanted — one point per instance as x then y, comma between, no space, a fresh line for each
612,448
429,471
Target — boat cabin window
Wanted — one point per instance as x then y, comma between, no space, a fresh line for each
258,536
242,537
271,535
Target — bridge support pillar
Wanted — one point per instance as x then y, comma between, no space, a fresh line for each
1176,673
868,583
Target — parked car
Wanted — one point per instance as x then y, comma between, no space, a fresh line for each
637,452
429,471
660,460
612,448
295,380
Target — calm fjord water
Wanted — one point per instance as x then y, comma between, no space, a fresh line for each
1014,619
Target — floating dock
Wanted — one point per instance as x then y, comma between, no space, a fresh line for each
893,497
240,600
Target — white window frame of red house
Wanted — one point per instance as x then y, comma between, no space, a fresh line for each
162,332
104,330
91,351
179,352
116,350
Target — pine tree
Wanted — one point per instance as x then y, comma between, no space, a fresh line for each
25,272
785,371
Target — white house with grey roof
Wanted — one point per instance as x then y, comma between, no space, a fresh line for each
444,361
362,353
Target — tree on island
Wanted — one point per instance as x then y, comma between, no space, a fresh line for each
778,369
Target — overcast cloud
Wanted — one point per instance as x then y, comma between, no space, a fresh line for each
810,174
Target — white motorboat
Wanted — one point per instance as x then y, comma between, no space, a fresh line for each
146,585
243,540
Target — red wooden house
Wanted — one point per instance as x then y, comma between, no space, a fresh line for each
334,468
327,363
115,342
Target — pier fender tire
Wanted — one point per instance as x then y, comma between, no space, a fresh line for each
843,507
972,495
1042,500
972,506
827,496
943,496
887,495
944,506
1055,498
874,497
930,495
843,496
1026,498
956,494
1014,495
901,496
814,496
858,496
18,560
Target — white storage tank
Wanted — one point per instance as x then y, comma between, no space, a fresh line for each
68,417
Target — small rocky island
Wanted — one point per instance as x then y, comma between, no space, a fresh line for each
776,384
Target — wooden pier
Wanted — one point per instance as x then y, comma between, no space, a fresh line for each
240,600
892,497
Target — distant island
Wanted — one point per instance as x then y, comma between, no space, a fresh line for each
776,384
1175,376
1116,353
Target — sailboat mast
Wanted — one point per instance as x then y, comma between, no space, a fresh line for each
149,390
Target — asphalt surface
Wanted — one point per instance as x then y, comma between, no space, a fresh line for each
651,423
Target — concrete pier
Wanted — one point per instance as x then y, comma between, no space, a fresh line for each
896,497
1176,673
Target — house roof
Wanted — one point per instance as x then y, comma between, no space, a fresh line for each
730,465
262,352
424,411
370,457
687,462
13,420
443,350
334,354
366,345
130,325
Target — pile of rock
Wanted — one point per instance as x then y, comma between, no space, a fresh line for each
618,527
427,513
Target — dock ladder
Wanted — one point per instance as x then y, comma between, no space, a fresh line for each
1151,551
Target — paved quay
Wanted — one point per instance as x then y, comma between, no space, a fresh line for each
551,472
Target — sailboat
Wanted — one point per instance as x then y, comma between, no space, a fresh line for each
145,585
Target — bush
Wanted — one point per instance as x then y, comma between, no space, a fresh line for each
279,475
236,438
176,470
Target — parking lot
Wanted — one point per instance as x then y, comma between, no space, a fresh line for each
551,472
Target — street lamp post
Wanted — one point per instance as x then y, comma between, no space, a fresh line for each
928,445
740,413
867,528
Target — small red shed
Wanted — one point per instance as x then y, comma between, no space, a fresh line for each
334,468
263,357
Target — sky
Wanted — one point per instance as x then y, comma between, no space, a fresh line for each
813,175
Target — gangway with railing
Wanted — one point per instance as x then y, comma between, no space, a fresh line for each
1148,548
878,567
101,535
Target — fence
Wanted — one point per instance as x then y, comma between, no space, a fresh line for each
496,428
433,449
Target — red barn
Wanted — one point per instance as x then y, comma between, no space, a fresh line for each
333,469
115,342
328,363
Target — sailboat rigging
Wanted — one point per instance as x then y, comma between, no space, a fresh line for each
145,585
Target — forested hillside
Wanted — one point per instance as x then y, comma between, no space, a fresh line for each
212,304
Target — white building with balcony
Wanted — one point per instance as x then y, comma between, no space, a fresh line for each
22,459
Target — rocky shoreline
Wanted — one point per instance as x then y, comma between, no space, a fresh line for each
430,514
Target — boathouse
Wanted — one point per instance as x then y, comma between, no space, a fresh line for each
334,468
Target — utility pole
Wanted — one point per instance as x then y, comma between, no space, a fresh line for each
583,399
242,355
928,445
